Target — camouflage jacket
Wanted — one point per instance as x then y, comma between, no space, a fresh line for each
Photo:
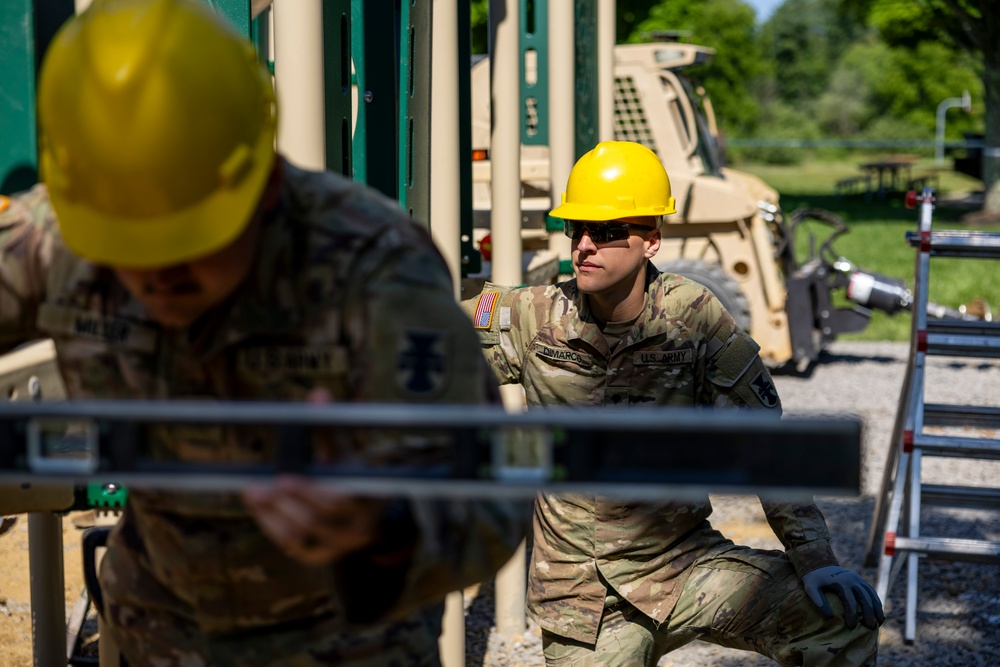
346,294
683,350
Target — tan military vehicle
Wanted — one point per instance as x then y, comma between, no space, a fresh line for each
729,233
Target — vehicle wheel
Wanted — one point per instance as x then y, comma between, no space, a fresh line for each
722,285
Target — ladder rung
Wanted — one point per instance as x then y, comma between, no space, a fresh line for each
958,243
968,328
964,327
971,497
969,416
951,445
951,548
964,338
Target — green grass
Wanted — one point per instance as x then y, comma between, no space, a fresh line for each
876,241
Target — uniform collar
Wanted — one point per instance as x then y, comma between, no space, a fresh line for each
584,327
266,303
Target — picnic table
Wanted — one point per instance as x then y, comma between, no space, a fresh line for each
891,174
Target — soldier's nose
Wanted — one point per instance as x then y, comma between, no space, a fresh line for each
585,242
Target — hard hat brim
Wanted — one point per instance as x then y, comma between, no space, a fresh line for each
182,236
571,211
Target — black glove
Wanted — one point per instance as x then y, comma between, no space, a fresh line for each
853,591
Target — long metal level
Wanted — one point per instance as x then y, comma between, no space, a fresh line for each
639,453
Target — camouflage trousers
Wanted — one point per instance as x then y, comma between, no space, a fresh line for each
153,628
740,598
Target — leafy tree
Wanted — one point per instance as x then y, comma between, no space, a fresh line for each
728,27
877,82
971,25
803,40
846,105
478,16
630,13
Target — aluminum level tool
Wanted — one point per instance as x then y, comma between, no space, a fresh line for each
636,453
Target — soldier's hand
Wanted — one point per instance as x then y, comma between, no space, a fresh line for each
312,522
853,591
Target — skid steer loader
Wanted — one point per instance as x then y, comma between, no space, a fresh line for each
729,234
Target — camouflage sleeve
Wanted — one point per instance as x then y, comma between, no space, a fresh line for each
411,342
737,377
491,313
26,247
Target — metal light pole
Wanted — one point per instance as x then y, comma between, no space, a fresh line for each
965,101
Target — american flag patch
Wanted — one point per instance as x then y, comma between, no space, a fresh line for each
484,310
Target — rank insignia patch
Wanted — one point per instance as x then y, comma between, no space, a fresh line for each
764,388
421,365
484,310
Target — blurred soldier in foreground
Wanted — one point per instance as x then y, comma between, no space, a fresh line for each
623,583
189,261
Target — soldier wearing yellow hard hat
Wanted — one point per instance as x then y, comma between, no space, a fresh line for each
621,583
171,254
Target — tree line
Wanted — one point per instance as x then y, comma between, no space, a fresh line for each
836,69
821,69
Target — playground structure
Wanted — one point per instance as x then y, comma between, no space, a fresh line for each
353,80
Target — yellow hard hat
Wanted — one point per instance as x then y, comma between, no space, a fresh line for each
617,179
157,132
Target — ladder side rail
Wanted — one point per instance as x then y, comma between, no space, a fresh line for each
892,469
922,286
913,558
900,487
913,397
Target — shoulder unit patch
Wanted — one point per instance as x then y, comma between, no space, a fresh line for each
764,388
422,366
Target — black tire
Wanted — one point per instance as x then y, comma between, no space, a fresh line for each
721,284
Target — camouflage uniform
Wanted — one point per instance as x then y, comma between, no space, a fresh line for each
347,295
595,559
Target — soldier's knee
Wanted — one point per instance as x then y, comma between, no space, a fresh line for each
816,640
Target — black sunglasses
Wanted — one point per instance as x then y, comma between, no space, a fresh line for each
601,232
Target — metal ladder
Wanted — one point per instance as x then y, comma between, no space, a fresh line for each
895,538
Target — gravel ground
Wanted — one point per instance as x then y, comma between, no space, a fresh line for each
958,617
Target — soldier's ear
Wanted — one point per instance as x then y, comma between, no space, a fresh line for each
652,244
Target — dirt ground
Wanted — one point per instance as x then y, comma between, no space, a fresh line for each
15,591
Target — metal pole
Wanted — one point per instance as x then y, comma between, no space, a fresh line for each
451,644
511,579
445,218
110,654
48,601
505,230
605,70
942,110
298,74
505,142
511,583
561,110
